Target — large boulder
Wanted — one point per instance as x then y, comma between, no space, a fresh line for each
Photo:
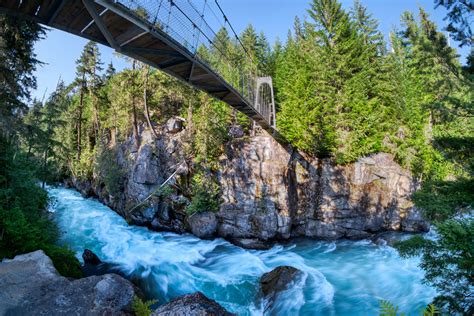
251,243
90,258
196,304
94,266
31,286
203,224
172,225
278,280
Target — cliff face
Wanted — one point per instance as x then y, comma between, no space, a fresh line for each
266,193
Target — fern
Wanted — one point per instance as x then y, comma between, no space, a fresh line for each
431,310
388,309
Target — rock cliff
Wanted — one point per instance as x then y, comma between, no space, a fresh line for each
266,193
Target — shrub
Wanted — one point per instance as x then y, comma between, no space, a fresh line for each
64,261
142,308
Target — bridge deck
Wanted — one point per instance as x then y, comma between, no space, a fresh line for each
112,24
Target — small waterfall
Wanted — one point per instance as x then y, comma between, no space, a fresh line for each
340,278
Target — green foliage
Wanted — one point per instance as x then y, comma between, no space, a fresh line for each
165,192
17,66
441,200
342,95
24,223
431,310
109,171
210,125
142,308
388,309
64,261
205,194
460,17
448,262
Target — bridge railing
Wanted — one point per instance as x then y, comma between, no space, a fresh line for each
195,24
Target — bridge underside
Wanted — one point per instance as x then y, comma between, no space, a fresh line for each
113,25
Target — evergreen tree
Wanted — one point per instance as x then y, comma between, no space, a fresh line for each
17,65
88,83
460,16
109,72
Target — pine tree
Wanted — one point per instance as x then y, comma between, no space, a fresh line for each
109,72
460,16
88,82
51,123
17,65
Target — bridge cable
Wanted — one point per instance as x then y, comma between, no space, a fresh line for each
233,30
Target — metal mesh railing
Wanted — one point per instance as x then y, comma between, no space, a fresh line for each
204,30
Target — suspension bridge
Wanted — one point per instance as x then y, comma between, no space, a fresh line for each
178,37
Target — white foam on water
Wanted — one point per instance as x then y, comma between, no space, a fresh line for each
340,278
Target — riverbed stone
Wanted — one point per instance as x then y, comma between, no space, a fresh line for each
278,280
251,243
196,304
203,224
31,286
90,257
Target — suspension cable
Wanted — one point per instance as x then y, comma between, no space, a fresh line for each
232,28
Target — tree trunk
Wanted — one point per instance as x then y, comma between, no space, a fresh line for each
79,120
134,112
190,117
95,106
145,102
45,163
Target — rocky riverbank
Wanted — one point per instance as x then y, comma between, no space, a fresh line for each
31,286
266,193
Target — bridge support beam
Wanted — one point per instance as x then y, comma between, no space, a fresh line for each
90,6
265,100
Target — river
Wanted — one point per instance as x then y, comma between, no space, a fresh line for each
340,278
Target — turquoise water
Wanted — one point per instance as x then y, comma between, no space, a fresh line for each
340,278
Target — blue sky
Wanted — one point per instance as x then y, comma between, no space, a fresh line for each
59,50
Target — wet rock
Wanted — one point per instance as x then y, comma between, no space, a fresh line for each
173,225
31,286
278,280
203,224
357,234
175,124
196,304
387,238
143,217
94,266
413,222
90,258
251,243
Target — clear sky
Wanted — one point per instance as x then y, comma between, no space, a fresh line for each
59,50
